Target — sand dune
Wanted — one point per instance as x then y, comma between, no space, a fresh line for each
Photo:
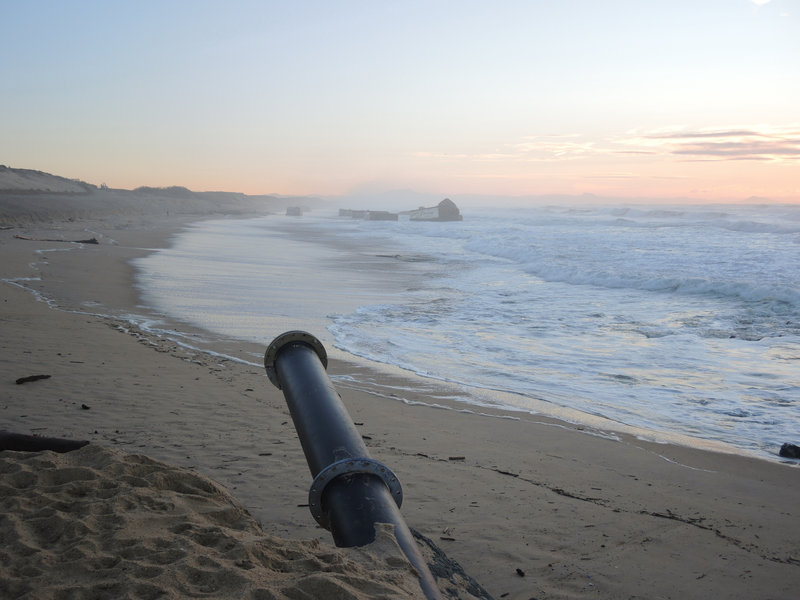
32,181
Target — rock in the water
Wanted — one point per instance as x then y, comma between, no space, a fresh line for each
790,451
446,210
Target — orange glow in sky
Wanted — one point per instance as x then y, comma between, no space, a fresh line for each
666,99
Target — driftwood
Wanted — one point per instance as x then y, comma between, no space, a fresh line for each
30,378
30,239
34,443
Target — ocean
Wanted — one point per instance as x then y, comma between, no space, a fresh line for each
682,323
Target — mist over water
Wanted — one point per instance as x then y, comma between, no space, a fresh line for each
680,320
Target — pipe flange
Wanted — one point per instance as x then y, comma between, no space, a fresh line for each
291,337
345,467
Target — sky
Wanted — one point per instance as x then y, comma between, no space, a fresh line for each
638,99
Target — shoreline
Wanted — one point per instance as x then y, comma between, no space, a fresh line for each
467,396
576,513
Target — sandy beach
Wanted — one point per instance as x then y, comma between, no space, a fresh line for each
194,484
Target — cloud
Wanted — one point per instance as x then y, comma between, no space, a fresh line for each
731,144
540,148
735,143
704,134
552,147
760,2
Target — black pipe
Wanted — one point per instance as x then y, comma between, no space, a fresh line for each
351,492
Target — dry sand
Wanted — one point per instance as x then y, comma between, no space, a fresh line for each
97,523
530,507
